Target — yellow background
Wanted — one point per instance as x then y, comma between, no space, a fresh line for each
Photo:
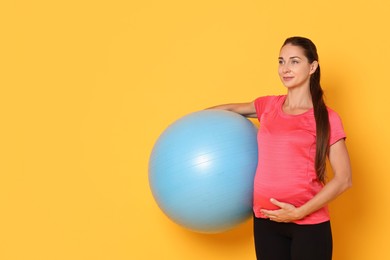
88,86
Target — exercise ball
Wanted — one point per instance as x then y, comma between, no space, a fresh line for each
201,170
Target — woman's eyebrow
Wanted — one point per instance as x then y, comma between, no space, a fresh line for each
293,57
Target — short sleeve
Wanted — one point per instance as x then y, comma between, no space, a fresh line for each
336,127
263,103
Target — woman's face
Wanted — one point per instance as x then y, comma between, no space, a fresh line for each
294,68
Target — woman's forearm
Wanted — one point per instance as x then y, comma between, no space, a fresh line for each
331,190
245,109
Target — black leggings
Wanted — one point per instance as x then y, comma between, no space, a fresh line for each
290,241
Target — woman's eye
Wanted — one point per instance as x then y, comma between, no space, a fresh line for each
281,62
294,62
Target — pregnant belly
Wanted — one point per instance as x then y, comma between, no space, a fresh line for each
292,193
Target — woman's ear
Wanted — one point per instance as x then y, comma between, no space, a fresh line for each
313,67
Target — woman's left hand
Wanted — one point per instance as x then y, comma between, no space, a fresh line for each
286,213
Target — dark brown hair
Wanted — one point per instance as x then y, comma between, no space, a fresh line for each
320,110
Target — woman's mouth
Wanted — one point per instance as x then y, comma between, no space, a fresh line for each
287,78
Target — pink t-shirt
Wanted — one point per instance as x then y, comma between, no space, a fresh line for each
287,147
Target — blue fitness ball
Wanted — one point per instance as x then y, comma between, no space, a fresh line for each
201,170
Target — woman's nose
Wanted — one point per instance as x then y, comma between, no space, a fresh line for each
285,68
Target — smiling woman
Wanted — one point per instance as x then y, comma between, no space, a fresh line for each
297,133
295,70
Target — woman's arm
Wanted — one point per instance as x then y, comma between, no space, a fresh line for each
341,181
244,109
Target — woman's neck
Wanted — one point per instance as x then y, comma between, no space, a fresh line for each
297,101
298,98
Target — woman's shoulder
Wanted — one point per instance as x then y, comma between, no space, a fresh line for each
270,99
336,126
331,111
267,103
333,115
